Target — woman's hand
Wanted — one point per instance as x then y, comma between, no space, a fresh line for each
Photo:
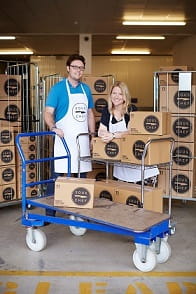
107,137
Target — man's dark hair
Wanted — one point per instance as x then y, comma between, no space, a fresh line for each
75,57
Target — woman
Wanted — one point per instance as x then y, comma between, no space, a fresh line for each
113,124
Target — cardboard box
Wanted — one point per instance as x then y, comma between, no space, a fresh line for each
184,156
105,189
175,101
100,101
183,183
132,148
11,113
8,192
6,136
10,87
74,192
183,128
7,155
97,84
142,122
7,174
171,75
111,150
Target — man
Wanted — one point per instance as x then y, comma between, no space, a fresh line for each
68,112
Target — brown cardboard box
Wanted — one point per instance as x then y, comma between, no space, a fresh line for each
7,174
74,192
184,156
132,148
11,113
183,128
6,136
8,192
148,122
100,101
130,194
111,150
10,87
171,75
175,101
183,183
98,85
105,189
7,155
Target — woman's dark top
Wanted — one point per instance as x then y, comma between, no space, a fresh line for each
105,118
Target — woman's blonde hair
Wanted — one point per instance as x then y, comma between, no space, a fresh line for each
126,96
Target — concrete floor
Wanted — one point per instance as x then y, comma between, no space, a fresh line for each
96,263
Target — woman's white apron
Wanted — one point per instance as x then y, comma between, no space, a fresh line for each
73,123
132,173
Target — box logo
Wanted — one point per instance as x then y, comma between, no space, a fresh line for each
175,75
80,196
8,194
151,123
7,155
182,127
8,174
133,201
100,86
105,194
12,113
11,87
183,99
138,149
182,155
111,149
180,183
100,104
6,136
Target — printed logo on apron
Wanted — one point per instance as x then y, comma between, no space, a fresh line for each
79,112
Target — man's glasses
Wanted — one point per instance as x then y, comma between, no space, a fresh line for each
81,68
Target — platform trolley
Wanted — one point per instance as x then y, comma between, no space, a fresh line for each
149,230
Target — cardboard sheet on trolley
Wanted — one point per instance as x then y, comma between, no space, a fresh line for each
105,211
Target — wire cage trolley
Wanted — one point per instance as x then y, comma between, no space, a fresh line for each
148,229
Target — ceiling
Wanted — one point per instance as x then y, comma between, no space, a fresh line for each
52,27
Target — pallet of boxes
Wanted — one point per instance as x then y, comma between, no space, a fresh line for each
177,94
10,121
128,150
100,89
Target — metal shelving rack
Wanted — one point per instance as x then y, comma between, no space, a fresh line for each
156,80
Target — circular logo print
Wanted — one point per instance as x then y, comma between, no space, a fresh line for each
182,155
80,196
100,104
32,166
12,113
151,123
33,193
12,87
175,75
182,127
32,147
8,174
100,86
138,149
183,99
180,183
105,194
8,194
6,155
32,138
111,149
32,156
6,137
133,201
79,112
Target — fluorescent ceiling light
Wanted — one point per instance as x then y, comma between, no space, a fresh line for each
15,52
123,37
132,51
154,23
7,38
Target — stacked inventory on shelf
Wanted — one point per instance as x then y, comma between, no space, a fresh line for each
177,94
100,88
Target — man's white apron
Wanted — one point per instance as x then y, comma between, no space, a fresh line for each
73,123
132,173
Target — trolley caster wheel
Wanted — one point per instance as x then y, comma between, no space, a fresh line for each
36,239
29,206
77,231
165,251
172,230
149,265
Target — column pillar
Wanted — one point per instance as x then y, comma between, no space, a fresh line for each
85,49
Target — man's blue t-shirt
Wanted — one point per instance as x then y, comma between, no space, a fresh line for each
58,97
